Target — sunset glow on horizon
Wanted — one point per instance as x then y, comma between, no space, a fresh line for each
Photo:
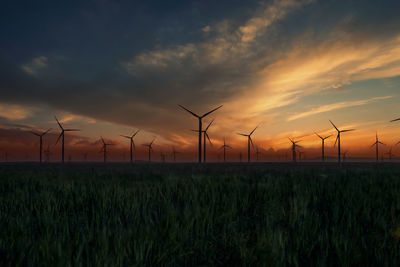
110,68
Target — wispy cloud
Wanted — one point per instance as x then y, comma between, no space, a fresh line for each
335,106
33,67
15,112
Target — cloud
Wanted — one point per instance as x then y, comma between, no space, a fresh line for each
37,64
15,112
335,106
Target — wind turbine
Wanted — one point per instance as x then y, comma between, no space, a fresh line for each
150,146
294,145
258,153
41,142
301,154
162,155
132,143
338,137
390,154
200,124
104,149
225,146
249,141
174,152
323,145
62,135
376,144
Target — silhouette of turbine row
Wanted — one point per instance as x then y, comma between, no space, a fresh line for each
204,134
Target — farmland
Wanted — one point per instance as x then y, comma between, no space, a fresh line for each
185,214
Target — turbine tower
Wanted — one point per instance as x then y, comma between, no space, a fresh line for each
104,149
249,141
132,143
294,145
41,142
390,154
150,146
376,144
62,136
174,153
338,137
225,146
200,124
323,145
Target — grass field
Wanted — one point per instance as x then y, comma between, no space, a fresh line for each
177,215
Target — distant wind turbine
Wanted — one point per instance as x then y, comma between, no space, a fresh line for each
344,155
41,142
132,143
225,146
249,141
150,147
294,145
104,149
174,153
376,144
62,135
390,154
323,145
47,153
200,124
338,137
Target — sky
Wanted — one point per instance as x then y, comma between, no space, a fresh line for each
112,67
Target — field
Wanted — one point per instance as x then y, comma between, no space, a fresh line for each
177,215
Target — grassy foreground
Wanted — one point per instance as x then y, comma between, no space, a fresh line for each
185,215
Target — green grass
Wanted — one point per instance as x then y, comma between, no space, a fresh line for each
185,215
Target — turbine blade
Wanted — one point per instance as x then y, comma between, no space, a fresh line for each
251,141
209,125
318,135
59,124
189,111
35,133
337,138
211,111
133,144
58,139
373,144
102,140
126,136
135,133
347,130
334,126
395,120
253,130
242,134
48,130
381,143
208,138
71,130
328,136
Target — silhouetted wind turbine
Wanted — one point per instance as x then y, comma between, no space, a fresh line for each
41,142
104,149
174,152
390,154
62,135
323,145
301,153
225,146
376,144
132,143
150,146
249,141
162,155
200,124
294,145
338,137
258,153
